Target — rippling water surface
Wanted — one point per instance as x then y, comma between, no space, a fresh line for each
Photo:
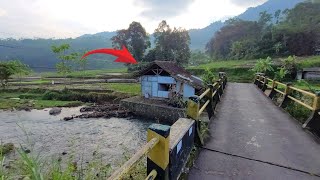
49,136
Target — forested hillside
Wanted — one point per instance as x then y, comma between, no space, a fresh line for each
37,52
294,32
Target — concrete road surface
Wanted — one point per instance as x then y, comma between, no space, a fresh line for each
251,138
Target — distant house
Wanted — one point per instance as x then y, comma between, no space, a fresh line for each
164,79
310,73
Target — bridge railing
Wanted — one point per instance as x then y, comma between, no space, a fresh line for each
169,147
287,90
206,101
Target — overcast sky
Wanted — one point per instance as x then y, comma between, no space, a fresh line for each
72,18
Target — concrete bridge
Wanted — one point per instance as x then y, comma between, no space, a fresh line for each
250,137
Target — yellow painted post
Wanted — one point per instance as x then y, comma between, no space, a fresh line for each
264,85
220,90
316,105
272,92
273,84
193,107
158,157
287,92
257,78
209,108
193,113
313,122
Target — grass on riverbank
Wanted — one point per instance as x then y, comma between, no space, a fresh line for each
86,73
31,166
38,81
130,88
61,97
240,70
31,100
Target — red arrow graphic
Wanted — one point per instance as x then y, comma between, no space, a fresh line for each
123,55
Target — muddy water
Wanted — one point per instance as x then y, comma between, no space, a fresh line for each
49,136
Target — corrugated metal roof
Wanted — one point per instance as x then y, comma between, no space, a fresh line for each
314,69
176,72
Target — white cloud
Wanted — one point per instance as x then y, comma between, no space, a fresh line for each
72,18
2,12
247,3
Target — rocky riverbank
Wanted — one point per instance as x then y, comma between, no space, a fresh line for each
102,111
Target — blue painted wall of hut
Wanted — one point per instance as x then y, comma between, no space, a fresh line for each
157,87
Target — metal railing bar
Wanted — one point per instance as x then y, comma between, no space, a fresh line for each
134,159
214,93
153,174
204,106
303,91
279,91
204,94
300,102
277,82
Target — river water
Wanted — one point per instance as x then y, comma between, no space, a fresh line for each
49,136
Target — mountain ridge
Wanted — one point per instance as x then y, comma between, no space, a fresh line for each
38,51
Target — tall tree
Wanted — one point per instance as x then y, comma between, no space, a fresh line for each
10,68
172,45
135,38
299,33
66,59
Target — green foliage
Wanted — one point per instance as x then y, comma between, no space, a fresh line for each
170,45
31,165
85,73
280,74
177,101
296,31
298,111
65,65
198,57
130,88
10,68
208,76
135,38
305,83
6,70
290,65
263,66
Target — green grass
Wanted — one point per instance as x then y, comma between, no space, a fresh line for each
306,62
87,73
224,64
130,88
240,70
38,81
31,100
42,98
31,166
36,104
